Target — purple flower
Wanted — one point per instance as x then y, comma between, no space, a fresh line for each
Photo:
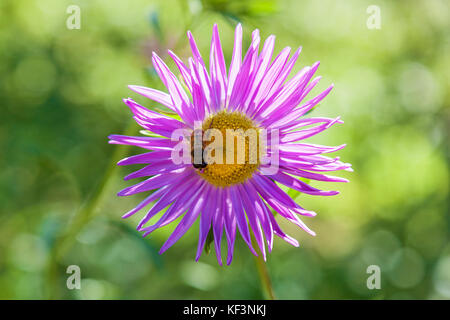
252,94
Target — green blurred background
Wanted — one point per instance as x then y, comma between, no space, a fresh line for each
60,97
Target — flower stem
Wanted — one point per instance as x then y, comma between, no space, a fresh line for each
89,209
263,273
83,216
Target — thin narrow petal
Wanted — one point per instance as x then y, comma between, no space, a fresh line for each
296,150
285,211
230,224
305,122
240,218
300,111
313,176
263,63
181,204
205,220
277,230
262,213
184,70
306,133
218,70
270,190
252,218
202,73
199,97
155,195
270,78
245,76
301,186
236,60
155,182
148,157
155,168
288,97
151,143
179,97
154,95
152,120
218,223
185,223
287,68
290,89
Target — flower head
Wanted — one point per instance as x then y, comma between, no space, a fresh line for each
229,187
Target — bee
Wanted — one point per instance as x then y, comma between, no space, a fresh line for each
199,134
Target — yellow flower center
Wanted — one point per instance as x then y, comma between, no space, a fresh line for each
237,145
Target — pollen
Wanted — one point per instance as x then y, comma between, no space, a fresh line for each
233,154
